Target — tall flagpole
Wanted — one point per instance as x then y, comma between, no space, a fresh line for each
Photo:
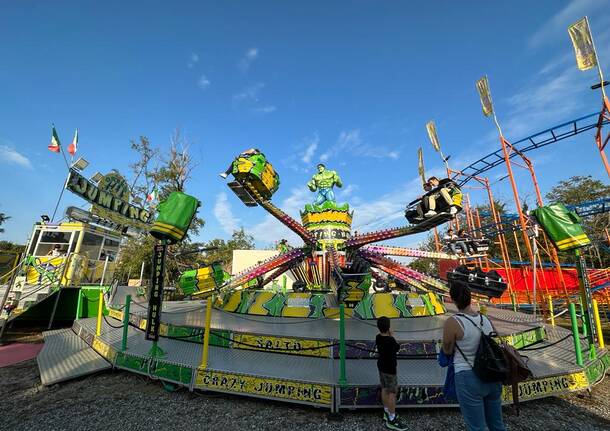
61,150
586,58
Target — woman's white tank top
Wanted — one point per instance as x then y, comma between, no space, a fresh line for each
470,343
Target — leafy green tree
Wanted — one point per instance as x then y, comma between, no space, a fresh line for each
3,218
167,172
11,247
426,265
579,189
240,240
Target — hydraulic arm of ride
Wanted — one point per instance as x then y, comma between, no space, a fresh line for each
262,268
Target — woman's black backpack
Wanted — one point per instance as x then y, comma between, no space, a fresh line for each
490,364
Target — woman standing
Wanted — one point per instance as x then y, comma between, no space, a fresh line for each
480,402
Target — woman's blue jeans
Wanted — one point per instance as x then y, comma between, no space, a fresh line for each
480,402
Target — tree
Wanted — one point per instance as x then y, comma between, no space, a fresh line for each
167,172
11,247
3,218
240,240
426,265
579,189
141,169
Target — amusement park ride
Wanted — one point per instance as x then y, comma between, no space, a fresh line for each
314,343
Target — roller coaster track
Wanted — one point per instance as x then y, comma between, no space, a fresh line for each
408,252
262,268
284,218
397,267
532,142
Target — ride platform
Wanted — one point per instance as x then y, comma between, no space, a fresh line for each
297,360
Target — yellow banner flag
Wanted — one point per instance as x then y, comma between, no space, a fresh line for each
431,127
583,44
420,165
485,95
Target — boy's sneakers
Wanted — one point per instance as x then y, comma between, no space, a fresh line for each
396,424
430,214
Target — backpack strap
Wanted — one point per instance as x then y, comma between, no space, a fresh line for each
456,344
471,321
463,355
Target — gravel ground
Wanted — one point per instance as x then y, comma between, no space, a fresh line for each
117,400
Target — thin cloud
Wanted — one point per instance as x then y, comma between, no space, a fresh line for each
557,26
249,98
266,109
193,60
351,142
224,214
248,58
310,150
203,82
250,93
270,229
11,156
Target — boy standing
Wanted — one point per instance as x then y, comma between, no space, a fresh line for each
387,347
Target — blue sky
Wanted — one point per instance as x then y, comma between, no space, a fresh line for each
349,83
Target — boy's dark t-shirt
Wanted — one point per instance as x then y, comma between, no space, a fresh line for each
387,347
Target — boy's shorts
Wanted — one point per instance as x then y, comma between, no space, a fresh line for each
389,382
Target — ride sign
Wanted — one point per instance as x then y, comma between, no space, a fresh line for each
153,321
110,199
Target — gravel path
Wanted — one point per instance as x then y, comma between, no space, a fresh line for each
117,400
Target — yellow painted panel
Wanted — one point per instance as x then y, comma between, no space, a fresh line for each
204,271
53,263
104,349
163,329
419,311
260,299
383,305
268,180
267,387
244,165
438,306
295,312
233,302
115,314
330,216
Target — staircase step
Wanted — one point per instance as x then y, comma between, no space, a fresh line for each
66,356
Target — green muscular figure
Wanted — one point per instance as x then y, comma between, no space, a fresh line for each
323,182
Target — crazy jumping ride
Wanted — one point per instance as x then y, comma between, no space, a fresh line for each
313,344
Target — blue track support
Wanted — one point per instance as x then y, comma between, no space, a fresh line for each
537,140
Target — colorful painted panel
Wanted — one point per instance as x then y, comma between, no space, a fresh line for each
395,305
269,303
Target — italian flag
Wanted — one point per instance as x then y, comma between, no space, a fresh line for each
55,144
152,196
72,147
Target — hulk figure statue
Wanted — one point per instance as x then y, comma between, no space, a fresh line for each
323,182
